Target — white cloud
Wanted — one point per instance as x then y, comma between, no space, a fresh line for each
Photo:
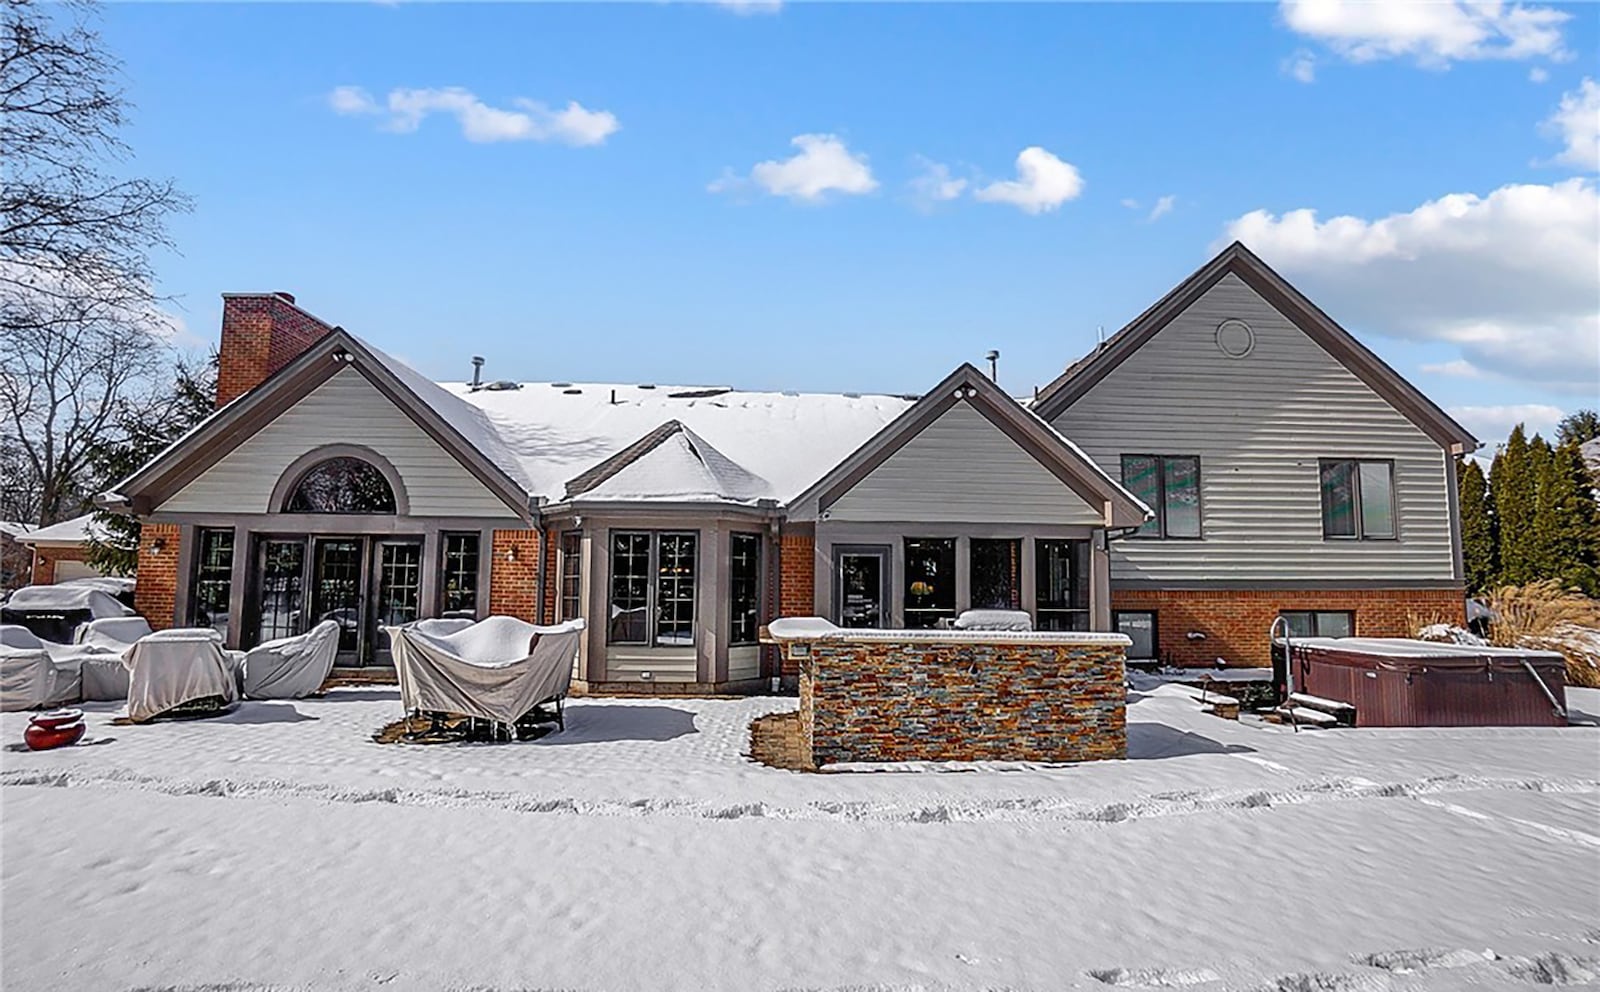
1576,123
750,6
1538,74
1433,32
1493,424
1458,368
1130,203
1509,278
406,109
1301,66
1044,182
1162,208
934,184
822,165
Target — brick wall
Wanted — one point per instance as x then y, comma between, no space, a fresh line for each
972,699
44,562
155,594
513,574
261,333
1235,622
796,585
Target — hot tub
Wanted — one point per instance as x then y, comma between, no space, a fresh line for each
1393,682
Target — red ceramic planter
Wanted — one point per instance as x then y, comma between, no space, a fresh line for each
62,728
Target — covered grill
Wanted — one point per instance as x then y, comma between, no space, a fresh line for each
1393,682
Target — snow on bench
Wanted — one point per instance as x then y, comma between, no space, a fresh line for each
1304,715
1320,703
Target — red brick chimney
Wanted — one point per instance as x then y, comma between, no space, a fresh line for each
261,333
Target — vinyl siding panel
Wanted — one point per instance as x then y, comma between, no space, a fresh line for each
1260,424
962,468
626,664
347,409
744,663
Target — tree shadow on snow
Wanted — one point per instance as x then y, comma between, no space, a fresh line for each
599,722
1147,741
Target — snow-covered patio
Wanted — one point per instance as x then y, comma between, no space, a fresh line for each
278,848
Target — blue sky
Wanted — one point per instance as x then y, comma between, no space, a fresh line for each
648,245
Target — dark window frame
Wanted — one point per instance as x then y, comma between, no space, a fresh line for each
1155,631
1160,520
1316,623
1355,500
753,601
907,612
446,573
653,584
203,573
1078,555
1013,545
301,500
569,565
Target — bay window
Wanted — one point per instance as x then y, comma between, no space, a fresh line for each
571,574
653,588
744,587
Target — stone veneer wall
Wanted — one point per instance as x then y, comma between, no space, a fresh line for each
982,698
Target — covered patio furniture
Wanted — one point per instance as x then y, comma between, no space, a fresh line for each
30,678
54,613
101,644
291,667
184,670
498,669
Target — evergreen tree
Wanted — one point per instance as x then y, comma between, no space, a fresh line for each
146,430
1540,549
1477,526
1511,487
1568,519
1578,427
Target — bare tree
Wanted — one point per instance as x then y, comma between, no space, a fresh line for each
79,313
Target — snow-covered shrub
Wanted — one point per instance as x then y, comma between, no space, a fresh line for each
1545,616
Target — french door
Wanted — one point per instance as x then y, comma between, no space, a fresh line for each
360,583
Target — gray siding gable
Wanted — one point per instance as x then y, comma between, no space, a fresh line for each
962,468
1260,424
345,409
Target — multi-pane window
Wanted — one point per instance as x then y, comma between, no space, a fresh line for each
1357,499
1061,584
571,574
1320,623
744,587
458,585
213,580
930,581
282,589
341,485
1169,485
995,574
399,583
653,588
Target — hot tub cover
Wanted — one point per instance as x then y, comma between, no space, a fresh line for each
173,667
487,670
291,667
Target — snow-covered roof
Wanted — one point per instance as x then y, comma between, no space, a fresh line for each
736,445
674,463
74,531
11,528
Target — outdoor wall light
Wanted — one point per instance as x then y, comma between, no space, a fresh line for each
158,545
511,553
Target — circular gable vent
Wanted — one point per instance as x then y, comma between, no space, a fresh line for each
1235,339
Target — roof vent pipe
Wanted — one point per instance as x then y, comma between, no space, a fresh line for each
994,364
477,372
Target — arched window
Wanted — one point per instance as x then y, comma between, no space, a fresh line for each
341,485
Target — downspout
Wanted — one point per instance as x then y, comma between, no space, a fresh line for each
538,576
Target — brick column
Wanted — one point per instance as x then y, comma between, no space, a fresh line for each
156,593
797,568
513,574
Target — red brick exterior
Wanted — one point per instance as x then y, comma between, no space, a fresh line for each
796,585
1235,622
513,575
44,562
155,595
261,333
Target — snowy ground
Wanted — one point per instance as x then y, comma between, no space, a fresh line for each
277,848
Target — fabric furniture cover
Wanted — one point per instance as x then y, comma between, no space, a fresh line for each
493,669
291,667
994,620
101,645
172,667
29,677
